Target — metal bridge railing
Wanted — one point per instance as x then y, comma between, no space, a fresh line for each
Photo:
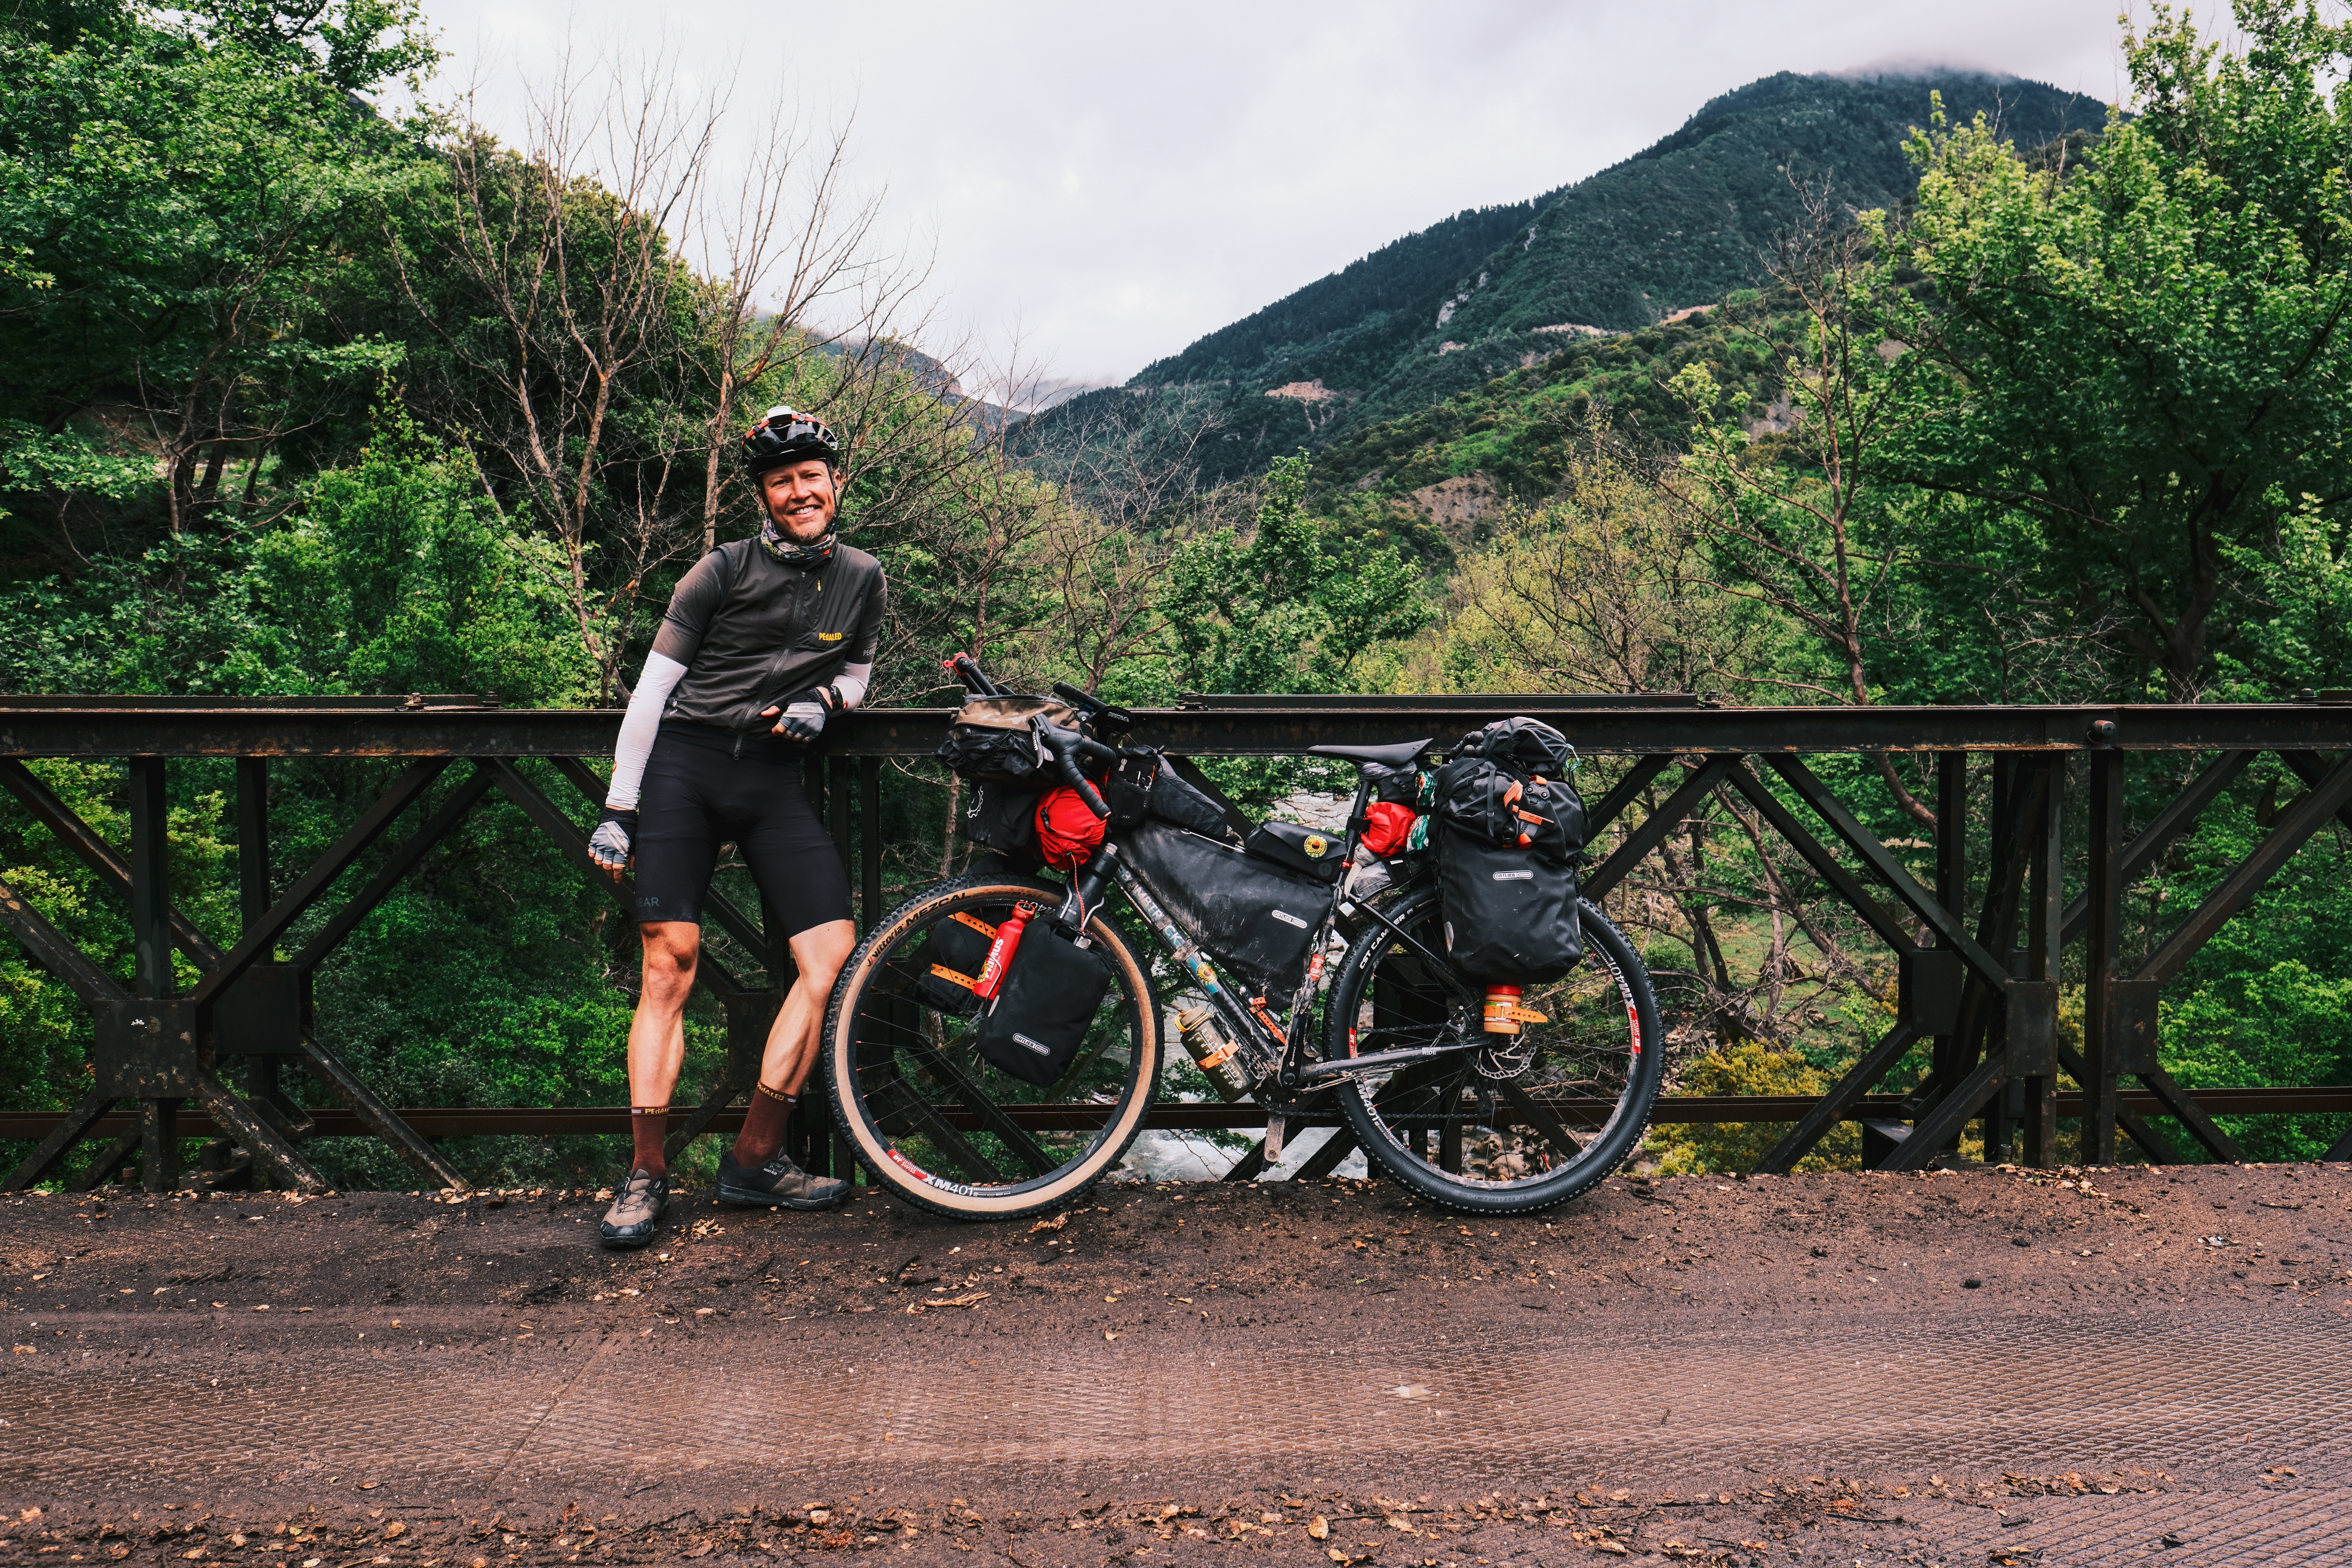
1982,986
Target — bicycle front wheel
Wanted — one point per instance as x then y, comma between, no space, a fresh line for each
1513,1123
937,1122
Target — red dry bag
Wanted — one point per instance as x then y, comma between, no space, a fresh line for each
1068,832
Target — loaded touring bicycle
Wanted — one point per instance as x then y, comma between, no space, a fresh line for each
1430,975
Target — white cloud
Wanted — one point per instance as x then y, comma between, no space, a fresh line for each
1115,182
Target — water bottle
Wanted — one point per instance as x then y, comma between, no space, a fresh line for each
1214,1055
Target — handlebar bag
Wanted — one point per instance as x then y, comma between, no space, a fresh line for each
1256,919
1050,996
990,740
1322,855
1003,818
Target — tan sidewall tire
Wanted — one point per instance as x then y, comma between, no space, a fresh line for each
849,1112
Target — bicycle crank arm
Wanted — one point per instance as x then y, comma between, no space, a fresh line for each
1381,1061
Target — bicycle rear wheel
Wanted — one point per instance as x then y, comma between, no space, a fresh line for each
1516,1123
937,1122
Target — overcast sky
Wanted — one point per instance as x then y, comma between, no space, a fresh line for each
1113,181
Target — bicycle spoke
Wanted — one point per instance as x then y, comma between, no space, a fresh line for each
1442,1126
932,1103
991,1116
914,1115
1542,1120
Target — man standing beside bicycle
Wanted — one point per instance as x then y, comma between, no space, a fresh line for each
764,639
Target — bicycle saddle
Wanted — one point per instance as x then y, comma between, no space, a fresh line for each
1395,756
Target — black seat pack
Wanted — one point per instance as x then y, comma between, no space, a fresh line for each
1039,1020
1256,919
1507,827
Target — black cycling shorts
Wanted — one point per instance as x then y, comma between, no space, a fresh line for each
695,799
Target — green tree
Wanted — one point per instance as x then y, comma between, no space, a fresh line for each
176,193
2146,354
1288,608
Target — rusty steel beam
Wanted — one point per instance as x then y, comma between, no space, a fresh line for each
1670,815
84,728
2312,811
1841,1102
313,883
1178,1116
96,852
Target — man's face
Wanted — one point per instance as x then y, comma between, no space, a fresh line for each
800,499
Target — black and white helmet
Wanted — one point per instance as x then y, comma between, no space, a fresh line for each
785,435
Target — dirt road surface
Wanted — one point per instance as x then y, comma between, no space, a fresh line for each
1979,1368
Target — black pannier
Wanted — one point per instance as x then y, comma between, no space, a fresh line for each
949,960
1489,801
1507,827
1258,918
1322,855
1510,913
1051,994
991,742
1144,785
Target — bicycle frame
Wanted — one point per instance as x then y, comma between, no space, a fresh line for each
1275,1053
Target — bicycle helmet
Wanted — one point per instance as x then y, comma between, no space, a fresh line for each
785,435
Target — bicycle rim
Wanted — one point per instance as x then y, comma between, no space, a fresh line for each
938,1123
1502,1128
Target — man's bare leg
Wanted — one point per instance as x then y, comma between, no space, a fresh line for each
656,1051
793,1042
657,1033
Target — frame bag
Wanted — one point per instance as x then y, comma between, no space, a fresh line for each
1039,1022
1256,919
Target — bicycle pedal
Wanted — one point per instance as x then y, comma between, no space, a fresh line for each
1273,1129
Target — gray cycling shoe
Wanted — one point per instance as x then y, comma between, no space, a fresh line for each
778,1183
636,1211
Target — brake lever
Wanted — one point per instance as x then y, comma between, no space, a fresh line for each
1067,746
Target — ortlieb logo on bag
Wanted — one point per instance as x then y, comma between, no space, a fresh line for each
1039,1047
1515,876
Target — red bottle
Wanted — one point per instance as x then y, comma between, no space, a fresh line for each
1001,951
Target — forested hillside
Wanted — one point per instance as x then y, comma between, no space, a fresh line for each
1440,312
311,399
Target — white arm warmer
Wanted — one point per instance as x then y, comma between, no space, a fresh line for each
852,683
638,729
